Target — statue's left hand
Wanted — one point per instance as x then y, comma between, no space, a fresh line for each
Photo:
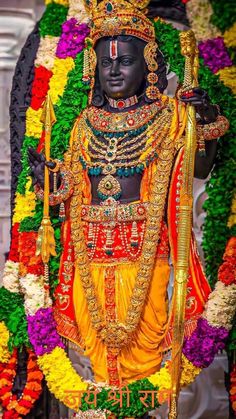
200,99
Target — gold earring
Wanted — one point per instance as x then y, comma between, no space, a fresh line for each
150,53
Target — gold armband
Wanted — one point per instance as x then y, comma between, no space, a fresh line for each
211,131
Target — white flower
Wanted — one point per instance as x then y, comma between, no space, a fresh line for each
221,305
33,288
78,11
47,52
10,278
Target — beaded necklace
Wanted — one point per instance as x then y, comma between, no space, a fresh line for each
122,154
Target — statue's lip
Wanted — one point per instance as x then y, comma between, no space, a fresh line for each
115,80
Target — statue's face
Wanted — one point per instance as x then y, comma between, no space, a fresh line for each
121,67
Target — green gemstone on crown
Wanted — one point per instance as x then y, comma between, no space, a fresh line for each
109,7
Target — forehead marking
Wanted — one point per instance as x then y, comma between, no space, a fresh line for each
114,49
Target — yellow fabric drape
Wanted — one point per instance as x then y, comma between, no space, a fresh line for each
143,355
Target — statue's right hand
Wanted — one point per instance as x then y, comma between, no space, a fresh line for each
37,164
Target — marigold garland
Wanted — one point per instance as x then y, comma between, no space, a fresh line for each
4,338
62,2
24,203
232,217
73,106
58,81
228,77
13,406
33,124
230,36
232,391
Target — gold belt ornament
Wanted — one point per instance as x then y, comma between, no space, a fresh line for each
111,211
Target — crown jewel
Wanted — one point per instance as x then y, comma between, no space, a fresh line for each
113,18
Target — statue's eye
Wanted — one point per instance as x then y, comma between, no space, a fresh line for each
105,62
126,60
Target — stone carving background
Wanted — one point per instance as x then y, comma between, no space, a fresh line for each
206,398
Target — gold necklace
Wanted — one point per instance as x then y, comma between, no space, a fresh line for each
114,334
114,149
105,121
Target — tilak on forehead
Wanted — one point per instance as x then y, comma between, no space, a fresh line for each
114,49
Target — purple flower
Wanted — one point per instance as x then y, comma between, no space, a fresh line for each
214,54
204,343
72,38
42,332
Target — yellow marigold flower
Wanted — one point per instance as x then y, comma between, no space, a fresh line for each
189,372
62,2
24,204
228,77
33,124
62,379
4,338
161,378
230,36
58,81
232,217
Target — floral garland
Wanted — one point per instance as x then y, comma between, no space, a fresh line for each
221,187
198,352
62,68
15,406
212,47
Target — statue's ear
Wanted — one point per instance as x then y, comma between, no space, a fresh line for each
98,98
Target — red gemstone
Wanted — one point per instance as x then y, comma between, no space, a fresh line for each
131,121
120,104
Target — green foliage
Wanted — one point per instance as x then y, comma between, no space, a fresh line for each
52,19
134,407
22,180
224,13
73,101
12,313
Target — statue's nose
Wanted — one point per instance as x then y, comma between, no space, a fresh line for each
115,68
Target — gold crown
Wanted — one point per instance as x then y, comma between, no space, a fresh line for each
113,18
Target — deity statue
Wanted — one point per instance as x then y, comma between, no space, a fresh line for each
129,138
118,191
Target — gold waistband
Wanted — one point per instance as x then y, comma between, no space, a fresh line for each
114,212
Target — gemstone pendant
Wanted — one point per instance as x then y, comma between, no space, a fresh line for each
109,187
109,169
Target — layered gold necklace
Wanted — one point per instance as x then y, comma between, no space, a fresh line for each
122,153
115,334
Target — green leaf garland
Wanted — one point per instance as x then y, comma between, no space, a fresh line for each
135,407
52,19
224,13
12,312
